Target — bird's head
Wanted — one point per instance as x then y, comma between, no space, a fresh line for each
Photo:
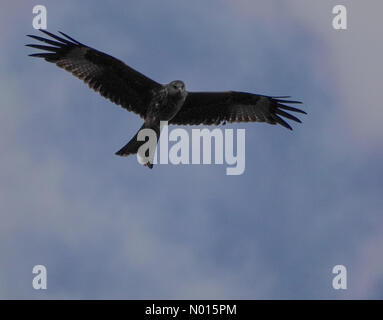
176,87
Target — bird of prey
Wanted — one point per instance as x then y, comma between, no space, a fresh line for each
155,102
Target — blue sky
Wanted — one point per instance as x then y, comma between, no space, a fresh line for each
105,227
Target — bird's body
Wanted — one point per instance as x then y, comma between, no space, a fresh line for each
154,102
163,106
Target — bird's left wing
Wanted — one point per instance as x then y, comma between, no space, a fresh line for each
105,74
219,107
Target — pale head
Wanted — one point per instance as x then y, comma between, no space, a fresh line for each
176,86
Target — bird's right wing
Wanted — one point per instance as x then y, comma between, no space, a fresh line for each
105,74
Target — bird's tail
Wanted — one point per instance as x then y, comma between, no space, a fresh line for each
133,146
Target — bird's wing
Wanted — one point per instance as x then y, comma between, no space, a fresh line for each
109,76
220,107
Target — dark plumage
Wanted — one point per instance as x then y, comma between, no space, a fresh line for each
155,102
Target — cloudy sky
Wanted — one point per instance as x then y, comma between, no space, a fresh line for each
106,227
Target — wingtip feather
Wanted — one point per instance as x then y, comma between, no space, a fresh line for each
70,38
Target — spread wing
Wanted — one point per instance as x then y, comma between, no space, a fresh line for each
109,76
220,107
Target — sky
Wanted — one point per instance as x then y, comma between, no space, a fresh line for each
106,227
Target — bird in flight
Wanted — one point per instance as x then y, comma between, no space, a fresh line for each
155,102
